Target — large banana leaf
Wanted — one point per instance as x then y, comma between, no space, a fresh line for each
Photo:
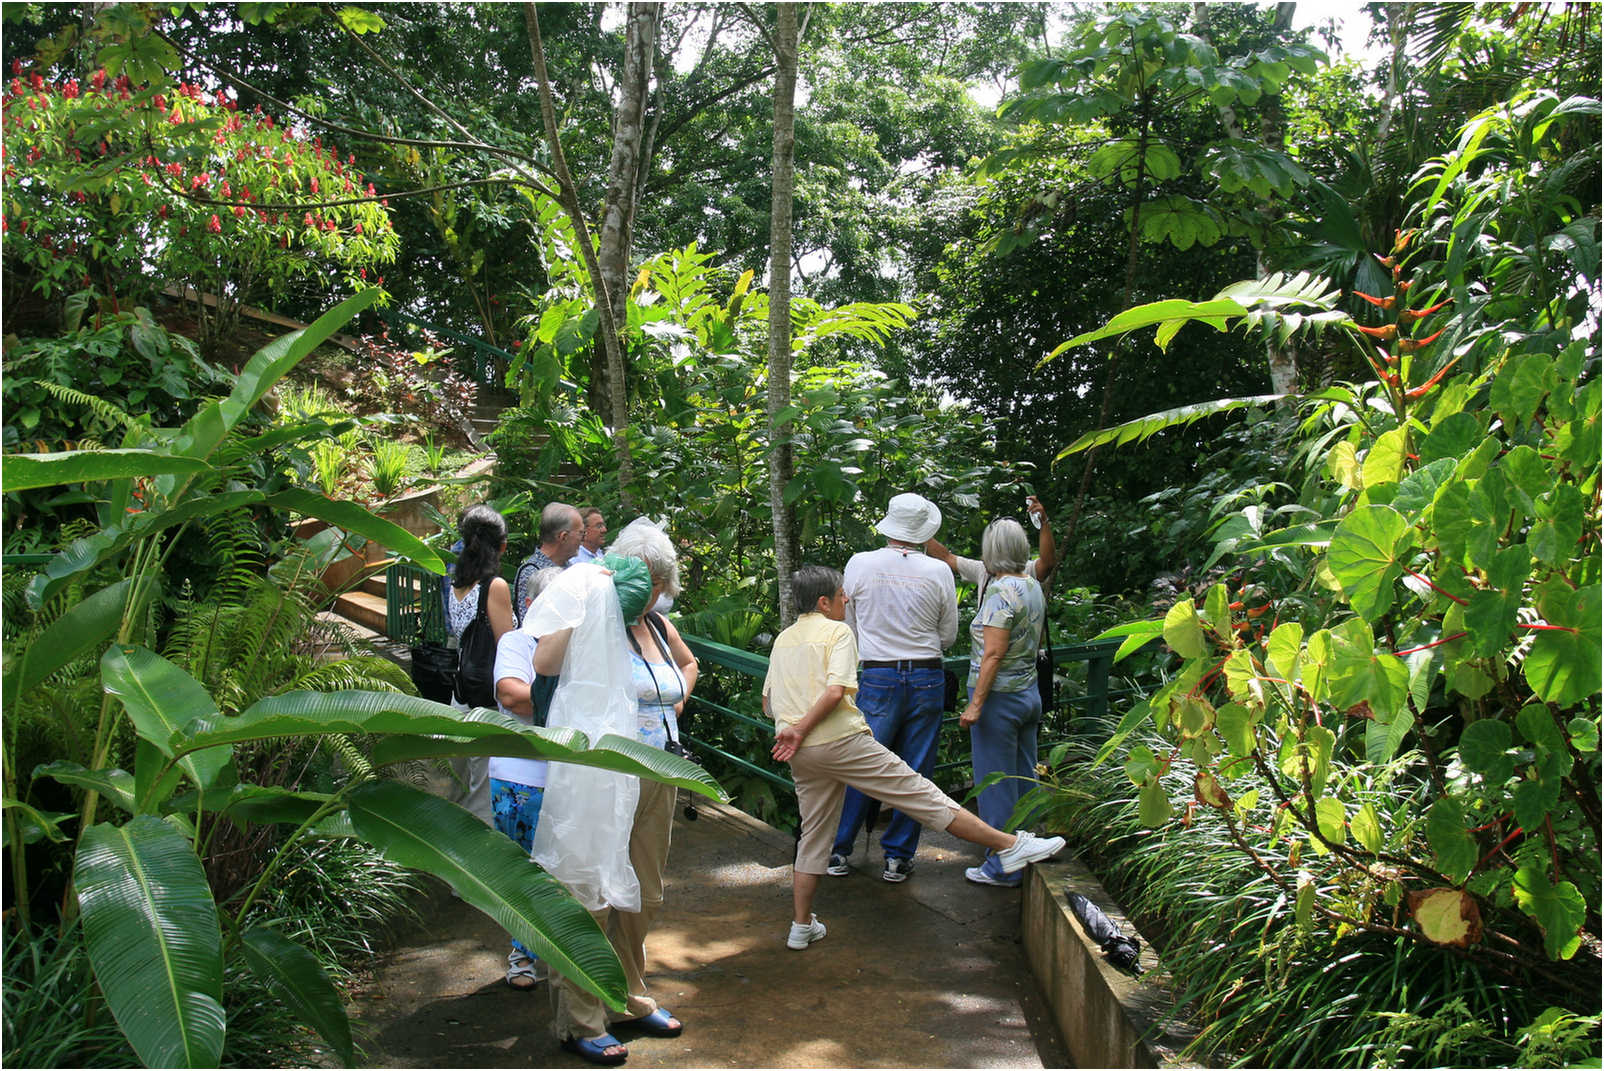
393,713
151,931
24,471
71,636
261,804
354,518
295,976
267,366
116,786
490,871
84,554
160,698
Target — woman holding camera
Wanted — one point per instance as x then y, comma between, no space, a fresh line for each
663,673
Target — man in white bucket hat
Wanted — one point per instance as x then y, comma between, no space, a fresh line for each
903,606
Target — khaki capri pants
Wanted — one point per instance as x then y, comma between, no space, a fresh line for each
824,771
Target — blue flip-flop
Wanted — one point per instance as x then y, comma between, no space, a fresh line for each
596,1051
655,1025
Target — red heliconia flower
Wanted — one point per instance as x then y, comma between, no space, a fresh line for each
146,176
224,191
370,189
174,118
175,169
314,186
347,185
3,227
362,272
214,224
359,228
309,221
161,210
238,211
123,94
385,202
16,66
328,225
36,81
160,103
70,90
16,87
123,83
99,80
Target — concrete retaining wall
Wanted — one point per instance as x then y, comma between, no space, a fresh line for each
1107,1017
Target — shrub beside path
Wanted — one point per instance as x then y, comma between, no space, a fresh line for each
928,973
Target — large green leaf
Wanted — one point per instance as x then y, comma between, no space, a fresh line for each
24,471
261,804
298,980
491,872
84,554
117,786
1214,313
267,366
151,931
1558,909
1563,664
1146,427
1182,631
1450,841
1365,556
84,626
353,518
161,699
414,724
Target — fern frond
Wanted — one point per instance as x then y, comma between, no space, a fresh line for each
360,673
356,763
99,406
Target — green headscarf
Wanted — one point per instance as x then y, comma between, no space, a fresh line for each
633,582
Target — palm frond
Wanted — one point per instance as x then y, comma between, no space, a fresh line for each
1143,428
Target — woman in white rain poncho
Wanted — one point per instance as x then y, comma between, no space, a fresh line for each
628,679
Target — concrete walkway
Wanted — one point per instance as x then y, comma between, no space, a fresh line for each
928,973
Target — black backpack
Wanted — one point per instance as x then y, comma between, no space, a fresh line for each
476,656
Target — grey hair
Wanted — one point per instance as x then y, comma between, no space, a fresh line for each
542,577
1004,547
555,519
644,540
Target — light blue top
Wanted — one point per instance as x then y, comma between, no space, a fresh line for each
1015,603
656,700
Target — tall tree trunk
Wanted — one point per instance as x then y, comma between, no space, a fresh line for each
1133,246
781,461
616,233
1281,360
607,325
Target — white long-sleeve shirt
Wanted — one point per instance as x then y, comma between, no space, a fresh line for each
900,604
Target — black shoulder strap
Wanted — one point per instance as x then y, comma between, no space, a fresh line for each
483,612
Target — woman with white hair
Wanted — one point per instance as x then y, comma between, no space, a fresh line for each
1004,711
662,674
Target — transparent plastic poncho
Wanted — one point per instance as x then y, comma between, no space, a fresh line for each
582,838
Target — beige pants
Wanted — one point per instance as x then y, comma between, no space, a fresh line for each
578,1014
822,773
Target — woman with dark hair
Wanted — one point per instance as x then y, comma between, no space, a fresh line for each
476,576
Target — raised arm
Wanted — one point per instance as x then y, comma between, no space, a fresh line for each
1046,548
934,548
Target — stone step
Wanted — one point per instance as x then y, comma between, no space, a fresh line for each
364,608
373,585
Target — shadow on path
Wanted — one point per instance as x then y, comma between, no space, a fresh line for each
928,973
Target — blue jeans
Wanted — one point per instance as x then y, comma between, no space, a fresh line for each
903,709
1004,739
517,811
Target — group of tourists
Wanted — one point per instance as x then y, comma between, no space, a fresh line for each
855,687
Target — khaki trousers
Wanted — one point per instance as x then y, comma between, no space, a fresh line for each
578,1014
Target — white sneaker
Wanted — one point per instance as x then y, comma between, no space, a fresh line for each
1027,849
802,936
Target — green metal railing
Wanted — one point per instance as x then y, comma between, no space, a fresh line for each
414,614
